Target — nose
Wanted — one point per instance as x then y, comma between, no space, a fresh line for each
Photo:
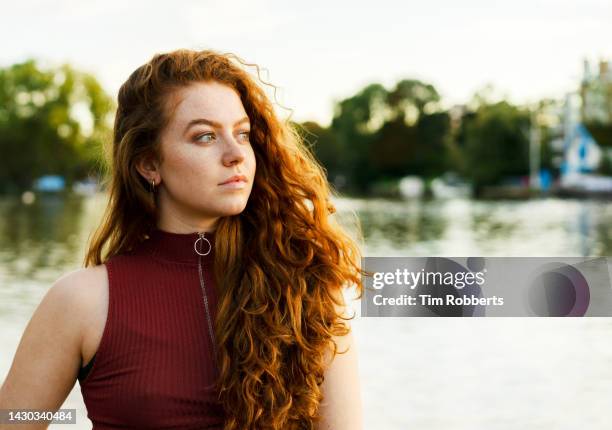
234,152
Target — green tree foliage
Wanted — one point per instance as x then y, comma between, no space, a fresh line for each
494,143
411,97
51,122
381,134
601,132
355,126
414,140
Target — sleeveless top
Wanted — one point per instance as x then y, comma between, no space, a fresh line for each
155,367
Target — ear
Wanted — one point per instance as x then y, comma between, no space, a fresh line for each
148,167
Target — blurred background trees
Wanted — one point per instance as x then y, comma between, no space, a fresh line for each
495,143
381,135
52,121
56,121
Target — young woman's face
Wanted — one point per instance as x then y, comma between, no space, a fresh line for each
205,144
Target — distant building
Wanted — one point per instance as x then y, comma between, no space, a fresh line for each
596,93
585,112
50,183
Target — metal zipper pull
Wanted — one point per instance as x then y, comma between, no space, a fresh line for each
204,295
202,238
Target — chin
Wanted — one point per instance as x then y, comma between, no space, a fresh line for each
236,209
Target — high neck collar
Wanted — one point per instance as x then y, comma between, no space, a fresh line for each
180,247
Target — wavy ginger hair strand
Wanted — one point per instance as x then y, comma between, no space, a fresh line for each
280,265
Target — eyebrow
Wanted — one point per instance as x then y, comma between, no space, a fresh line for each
212,123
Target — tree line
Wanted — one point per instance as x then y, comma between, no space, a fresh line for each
55,121
52,121
383,135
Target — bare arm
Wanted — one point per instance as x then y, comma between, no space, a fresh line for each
48,357
341,408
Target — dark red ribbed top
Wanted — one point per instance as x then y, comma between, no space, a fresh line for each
154,368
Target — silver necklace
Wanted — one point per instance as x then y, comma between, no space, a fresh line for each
202,238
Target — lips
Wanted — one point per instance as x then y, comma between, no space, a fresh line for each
235,178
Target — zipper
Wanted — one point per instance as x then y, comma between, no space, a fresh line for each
202,238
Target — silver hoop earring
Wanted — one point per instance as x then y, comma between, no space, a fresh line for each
153,185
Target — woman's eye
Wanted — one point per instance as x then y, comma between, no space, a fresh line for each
205,135
245,134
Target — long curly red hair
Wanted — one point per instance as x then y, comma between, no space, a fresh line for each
281,265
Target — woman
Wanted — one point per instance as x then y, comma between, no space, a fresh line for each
212,291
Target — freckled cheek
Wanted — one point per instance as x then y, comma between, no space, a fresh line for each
252,162
189,170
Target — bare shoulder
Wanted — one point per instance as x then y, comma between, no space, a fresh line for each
55,340
83,279
84,290
87,290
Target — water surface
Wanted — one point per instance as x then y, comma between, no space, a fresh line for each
416,373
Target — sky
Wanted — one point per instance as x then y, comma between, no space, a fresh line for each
319,52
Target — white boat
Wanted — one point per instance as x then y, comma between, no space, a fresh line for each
87,187
450,186
411,187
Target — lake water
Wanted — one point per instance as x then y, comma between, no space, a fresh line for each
416,373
